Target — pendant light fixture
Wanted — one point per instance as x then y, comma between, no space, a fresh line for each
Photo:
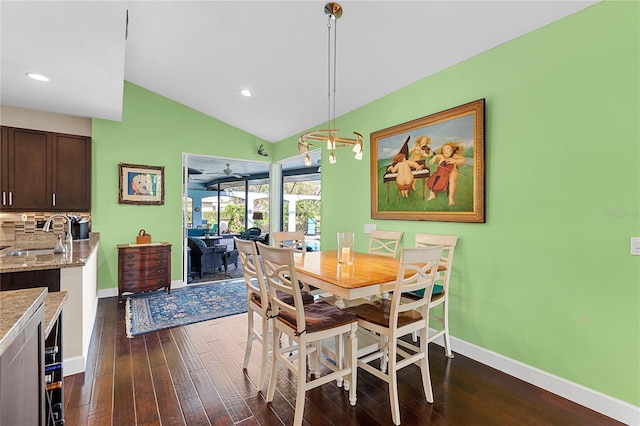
330,136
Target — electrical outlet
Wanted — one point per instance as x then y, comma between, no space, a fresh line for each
40,224
368,227
635,246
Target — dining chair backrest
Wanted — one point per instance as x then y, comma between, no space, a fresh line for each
252,271
446,260
280,275
385,243
418,270
291,240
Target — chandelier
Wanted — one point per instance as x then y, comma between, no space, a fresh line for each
330,135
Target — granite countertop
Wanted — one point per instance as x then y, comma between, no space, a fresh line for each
76,256
52,307
16,309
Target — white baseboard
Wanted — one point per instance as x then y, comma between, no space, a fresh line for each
74,365
597,401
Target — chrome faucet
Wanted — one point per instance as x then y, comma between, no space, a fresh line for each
47,225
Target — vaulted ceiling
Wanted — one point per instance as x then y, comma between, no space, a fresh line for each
201,53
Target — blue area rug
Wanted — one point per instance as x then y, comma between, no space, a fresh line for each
157,310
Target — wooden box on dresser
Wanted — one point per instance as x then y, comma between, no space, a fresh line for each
144,267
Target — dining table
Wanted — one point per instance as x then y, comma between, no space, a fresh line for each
368,275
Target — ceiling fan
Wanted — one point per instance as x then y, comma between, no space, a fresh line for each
229,172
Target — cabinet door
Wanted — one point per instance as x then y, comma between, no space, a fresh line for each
29,171
4,167
71,172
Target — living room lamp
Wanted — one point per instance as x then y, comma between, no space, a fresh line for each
330,135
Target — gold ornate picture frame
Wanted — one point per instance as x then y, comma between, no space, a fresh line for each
431,168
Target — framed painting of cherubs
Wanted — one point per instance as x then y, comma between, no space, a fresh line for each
431,168
140,184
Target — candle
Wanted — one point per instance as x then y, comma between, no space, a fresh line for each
346,254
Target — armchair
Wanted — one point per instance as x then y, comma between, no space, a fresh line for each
231,253
206,259
251,232
255,234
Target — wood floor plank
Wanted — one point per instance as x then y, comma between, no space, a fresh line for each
211,401
196,339
144,393
262,412
154,349
233,401
123,397
101,407
179,373
190,356
168,405
194,413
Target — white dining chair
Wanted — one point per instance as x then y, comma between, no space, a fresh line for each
440,293
390,319
257,303
306,325
295,241
385,243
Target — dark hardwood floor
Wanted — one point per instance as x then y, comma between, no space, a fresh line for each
193,375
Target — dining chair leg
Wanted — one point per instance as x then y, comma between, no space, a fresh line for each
265,352
275,350
302,383
250,338
393,386
445,324
315,360
339,359
384,361
424,366
352,354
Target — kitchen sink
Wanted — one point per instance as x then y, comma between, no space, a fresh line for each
29,252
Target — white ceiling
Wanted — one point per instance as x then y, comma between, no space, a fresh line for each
200,53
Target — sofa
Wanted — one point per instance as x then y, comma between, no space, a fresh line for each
207,259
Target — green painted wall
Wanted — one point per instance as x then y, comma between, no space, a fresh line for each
154,131
548,280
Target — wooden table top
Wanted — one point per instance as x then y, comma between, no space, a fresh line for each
367,269
369,275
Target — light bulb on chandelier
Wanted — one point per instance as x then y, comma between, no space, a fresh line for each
330,135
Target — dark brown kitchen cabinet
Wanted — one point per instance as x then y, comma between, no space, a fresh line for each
45,171
71,172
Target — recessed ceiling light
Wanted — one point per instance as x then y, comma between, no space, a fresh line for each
38,77
245,92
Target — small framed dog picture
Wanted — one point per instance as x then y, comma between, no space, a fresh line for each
140,184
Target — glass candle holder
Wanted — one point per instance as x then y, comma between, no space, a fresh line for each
346,254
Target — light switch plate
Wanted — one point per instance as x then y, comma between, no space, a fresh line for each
368,227
635,246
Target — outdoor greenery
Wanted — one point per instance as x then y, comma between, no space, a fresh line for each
233,211
305,209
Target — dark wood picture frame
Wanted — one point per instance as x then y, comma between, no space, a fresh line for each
431,168
139,184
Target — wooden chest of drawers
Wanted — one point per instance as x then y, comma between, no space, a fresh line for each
144,267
